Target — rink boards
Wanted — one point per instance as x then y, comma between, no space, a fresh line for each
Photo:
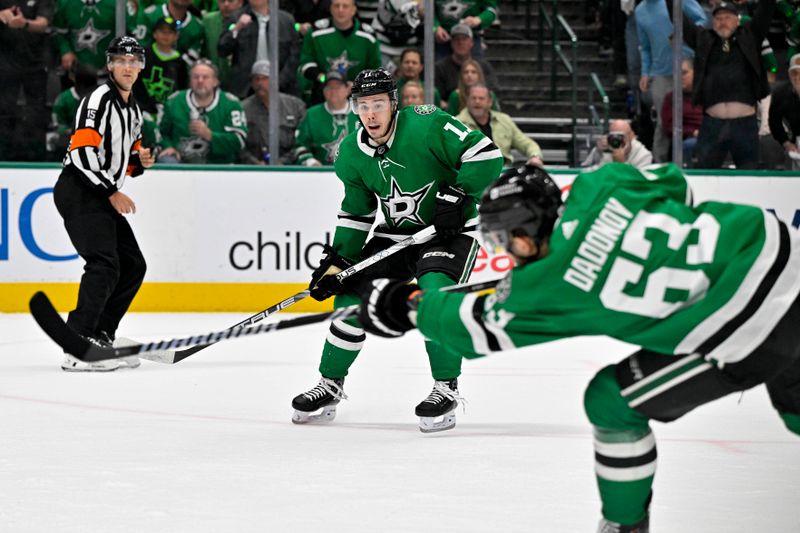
239,238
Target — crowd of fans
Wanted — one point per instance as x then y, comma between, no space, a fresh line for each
206,86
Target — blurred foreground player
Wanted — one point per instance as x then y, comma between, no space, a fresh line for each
103,150
710,293
424,168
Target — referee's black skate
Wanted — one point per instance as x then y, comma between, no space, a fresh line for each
319,404
437,412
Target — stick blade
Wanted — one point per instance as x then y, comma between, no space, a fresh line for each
54,326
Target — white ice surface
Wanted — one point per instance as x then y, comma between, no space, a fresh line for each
207,445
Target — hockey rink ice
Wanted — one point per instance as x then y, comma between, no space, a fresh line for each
207,445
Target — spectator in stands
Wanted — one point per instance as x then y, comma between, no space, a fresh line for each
202,124
784,113
412,93
65,109
620,146
654,26
397,26
213,26
475,14
164,71
256,109
246,39
23,52
612,39
448,70
326,124
191,33
789,13
367,9
729,80
499,127
83,32
306,12
692,113
471,73
336,43
411,69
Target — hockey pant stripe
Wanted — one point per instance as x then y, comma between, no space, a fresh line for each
343,339
665,379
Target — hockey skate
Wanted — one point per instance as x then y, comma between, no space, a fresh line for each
73,364
131,361
437,412
607,526
319,404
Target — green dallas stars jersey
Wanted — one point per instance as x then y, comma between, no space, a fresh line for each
631,260
86,27
225,117
427,148
451,12
327,48
321,132
191,33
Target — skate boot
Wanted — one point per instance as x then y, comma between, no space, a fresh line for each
73,364
131,361
437,412
319,404
612,527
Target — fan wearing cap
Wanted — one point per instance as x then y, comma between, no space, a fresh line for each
784,113
422,168
104,149
165,72
729,80
256,108
475,14
448,69
326,124
191,33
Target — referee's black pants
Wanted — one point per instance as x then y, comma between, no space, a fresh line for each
114,267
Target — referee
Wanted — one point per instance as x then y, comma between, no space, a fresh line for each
105,148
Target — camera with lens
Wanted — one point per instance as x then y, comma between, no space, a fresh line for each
616,140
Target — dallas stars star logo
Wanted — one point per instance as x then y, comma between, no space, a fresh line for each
453,9
332,147
89,36
340,63
401,206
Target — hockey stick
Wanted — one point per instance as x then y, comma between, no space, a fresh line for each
175,356
51,322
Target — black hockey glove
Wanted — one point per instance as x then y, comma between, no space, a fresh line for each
323,280
449,218
385,306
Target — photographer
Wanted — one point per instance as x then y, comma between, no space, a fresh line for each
620,146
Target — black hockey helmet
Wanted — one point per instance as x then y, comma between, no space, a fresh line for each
523,201
373,81
125,46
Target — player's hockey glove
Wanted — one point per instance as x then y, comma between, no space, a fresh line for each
323,280
449,218
386,305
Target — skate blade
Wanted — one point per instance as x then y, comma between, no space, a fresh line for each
76,369
434,424
322,416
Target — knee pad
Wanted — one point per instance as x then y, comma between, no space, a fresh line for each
604,405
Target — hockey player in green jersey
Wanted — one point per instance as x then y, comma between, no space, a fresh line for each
202,124
710,293
325,125
423,168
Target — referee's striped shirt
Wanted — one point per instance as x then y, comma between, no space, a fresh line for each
105,146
